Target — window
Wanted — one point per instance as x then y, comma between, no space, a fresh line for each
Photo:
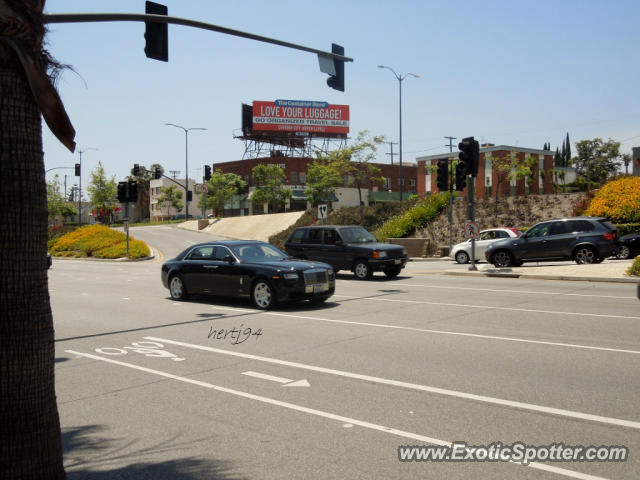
501,234
580,226
541,230
202,253
331,237
314,236
487,236
412,182
303,178
559,228
386,184
297,236
294,178
221,252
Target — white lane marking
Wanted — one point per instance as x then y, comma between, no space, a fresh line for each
527,292
489,307
438,332
413,386
286,381
323,414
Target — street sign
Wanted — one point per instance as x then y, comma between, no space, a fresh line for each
204,188
322,212
471,229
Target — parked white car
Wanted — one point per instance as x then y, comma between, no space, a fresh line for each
462,251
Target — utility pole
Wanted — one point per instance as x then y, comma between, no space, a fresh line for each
174,173
391,144
450,162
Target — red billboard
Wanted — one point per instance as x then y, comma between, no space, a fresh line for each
300,116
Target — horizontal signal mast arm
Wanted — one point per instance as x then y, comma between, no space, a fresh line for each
141,17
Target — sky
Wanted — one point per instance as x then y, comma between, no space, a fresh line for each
511,72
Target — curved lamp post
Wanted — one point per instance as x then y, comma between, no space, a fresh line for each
80,185
186,163
400,79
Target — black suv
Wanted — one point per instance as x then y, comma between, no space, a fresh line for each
347,247
583,239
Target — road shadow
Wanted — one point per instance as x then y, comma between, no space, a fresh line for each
89,454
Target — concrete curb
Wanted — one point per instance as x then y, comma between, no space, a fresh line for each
534,276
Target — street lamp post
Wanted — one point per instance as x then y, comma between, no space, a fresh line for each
80,185
400,79
186,163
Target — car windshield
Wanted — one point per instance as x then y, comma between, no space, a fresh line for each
356,235
259,253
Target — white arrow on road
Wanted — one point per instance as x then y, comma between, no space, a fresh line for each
287,382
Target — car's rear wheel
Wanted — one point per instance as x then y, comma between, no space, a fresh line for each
462,257
585,256
501,259
623,252
263,295
392,272
362,270
176,288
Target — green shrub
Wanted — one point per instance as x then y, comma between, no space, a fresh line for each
413,219
96,241
634,269
627,228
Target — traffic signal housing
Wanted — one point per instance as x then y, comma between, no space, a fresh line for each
133,192
136,170
157,173
156,34
469,155
337,81
207,172
77,169
443,175
123,194
461,176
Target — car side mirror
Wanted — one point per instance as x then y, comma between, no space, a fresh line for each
340,243
229,259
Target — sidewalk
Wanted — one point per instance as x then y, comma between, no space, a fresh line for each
607,271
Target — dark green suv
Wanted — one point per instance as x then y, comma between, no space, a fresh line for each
347,247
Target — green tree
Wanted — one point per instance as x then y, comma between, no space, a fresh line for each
322,180
502,167
269,181
170,197
222,187
597,160
626,160
354,163
57,204
102,194
143,179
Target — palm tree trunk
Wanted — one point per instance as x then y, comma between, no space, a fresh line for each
30,443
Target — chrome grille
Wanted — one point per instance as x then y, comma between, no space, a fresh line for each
312,277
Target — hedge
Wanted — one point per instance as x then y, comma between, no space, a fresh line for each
618,200
97,241
415,218
634,269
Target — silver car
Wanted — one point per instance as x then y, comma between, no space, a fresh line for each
462,251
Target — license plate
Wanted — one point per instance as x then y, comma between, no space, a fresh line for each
397,261
320,288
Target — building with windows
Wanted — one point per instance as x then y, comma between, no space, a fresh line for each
497,169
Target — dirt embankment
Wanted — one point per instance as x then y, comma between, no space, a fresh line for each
522,211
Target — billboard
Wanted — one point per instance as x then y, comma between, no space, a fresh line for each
300,116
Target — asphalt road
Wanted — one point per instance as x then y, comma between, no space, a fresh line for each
150,388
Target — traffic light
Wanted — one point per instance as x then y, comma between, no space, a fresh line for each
156,34
207,172
337,81
77,169
136,170
461,176
122,192
157,173
133,192
469,155
443,175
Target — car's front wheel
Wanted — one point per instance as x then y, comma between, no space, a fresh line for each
585,256
501,259
362,270
462,257
176,288
263,295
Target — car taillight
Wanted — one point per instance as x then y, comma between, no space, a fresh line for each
610,236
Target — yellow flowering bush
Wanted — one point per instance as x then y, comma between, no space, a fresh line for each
618,200
97,241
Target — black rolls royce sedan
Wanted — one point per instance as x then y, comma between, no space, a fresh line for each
241,268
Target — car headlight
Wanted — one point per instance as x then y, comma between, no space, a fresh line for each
330,272
404,251
290,276
377,254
